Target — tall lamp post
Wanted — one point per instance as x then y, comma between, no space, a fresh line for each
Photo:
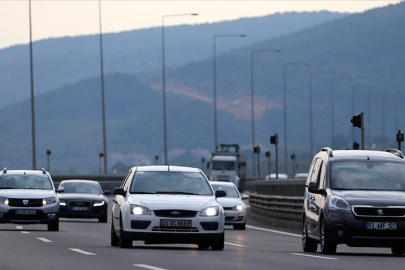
164,79
333,106
48,153
285,109
252,100
310,108
215,84
34,156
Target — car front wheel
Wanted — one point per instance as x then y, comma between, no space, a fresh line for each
308,244
397,251
327,245
115,241
219,244
123,241
54,225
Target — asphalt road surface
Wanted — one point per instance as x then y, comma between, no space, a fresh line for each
85,244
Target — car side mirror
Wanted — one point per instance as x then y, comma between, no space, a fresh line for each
245,197
220,193
313,188
119,191
60,189
106,192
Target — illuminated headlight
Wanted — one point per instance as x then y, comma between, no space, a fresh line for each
49,201
339,203
139,210
238,207
98,203
62,203
4,201
210,212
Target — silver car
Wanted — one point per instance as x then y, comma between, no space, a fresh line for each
235,209
28,197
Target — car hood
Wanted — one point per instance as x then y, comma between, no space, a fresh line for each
371,197
229,202
26,193
77,196
169,202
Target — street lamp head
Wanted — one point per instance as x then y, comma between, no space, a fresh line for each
242,35
194,14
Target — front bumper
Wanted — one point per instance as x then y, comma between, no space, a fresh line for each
43,215
92,212
343,227
235,217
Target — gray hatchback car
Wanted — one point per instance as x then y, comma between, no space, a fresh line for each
357,198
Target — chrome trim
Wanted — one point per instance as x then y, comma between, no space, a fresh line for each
377,207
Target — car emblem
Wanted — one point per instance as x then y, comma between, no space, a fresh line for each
25,202
175,213
380,212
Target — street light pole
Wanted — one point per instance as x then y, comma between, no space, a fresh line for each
333,106
102,91
164,80
252,101
34,156
215,84
285,110
310,108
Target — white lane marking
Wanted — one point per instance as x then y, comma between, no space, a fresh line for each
44,240
25,232
19,227
313,256
82,251
149,267
274,231
231,244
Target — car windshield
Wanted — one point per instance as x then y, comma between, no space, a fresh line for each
231,191
25,181
368,175
167,182
81,187
223,165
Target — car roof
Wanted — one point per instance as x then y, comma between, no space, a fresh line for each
222,183
23,172
79,181
165,169
341,154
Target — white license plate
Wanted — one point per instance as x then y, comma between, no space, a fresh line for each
79,208
381,225
25,212
175,223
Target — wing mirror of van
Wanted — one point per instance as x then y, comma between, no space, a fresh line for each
313,188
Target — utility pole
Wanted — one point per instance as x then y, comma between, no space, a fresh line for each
268,155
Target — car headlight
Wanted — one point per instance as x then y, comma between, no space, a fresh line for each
62,203
139,210
101,203
238,207
49,201
4,201
210,211
339,203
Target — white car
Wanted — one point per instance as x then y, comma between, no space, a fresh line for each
28,197
301,176
235,209
163,205
272,176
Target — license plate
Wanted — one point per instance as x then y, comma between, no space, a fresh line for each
25,212
175,223
79,208
381,225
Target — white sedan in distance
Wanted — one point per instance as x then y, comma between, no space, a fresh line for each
235,209
167,205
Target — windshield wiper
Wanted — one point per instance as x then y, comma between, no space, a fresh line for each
141,192
176,192
7,188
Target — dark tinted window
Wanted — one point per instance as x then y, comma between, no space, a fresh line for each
224,165
81,187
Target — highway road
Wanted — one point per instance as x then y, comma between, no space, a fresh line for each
84,244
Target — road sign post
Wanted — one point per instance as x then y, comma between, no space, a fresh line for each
274,140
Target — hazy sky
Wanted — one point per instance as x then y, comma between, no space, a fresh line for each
56,18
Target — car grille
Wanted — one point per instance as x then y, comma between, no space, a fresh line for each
20,202
229,218
175,213
379,211
228,208
79,203
160,229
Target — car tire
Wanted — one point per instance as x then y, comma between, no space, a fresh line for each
53,226
398,251
240,226
219,244
115,241
308,244
123,241
204,245
103,219
327,245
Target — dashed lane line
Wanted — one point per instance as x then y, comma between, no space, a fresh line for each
44,240
237,245
273,231
313,256
19,227
25,232
81,251
149,267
